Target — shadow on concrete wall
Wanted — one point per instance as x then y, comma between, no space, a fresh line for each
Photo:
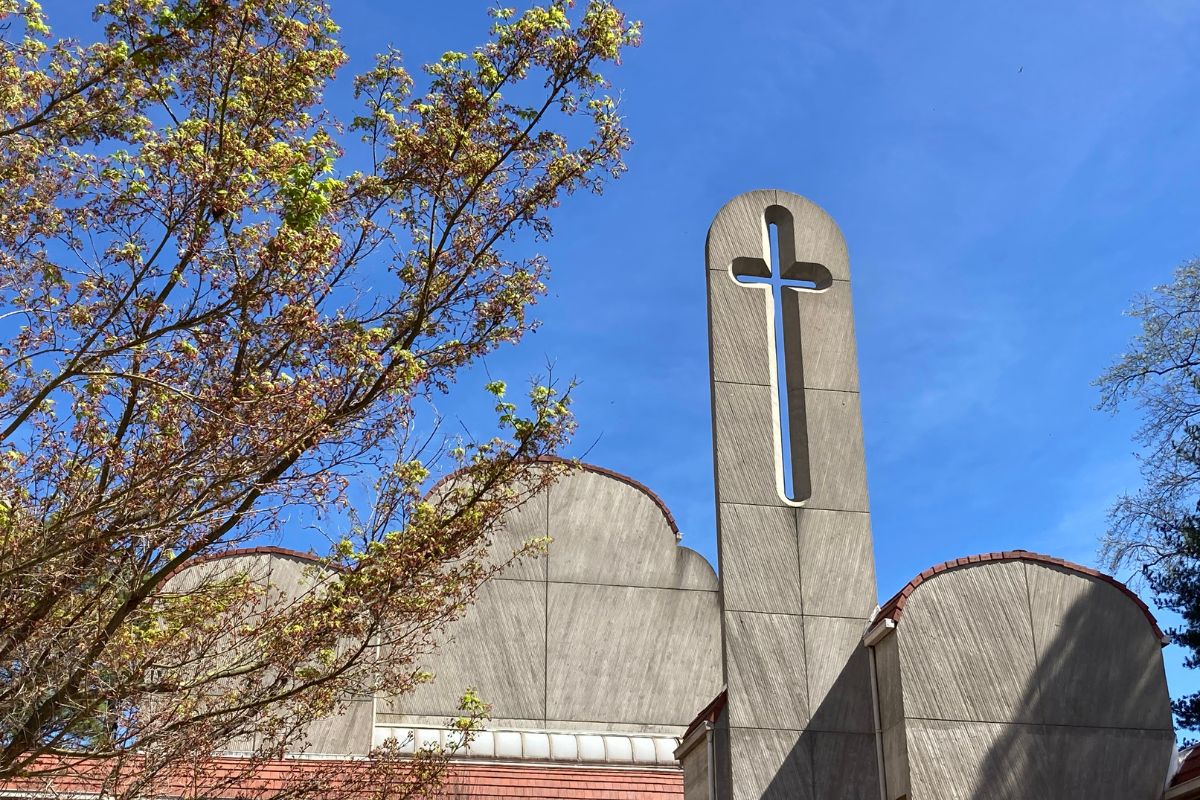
1087,726
1088,714
834,759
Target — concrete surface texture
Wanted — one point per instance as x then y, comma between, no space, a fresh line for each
1021,679
796,560
1008,676
616,629
285,576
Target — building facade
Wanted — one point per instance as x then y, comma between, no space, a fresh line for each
622,665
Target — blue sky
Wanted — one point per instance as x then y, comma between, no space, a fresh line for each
1007,177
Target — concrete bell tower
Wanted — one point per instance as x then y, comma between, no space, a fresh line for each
794,530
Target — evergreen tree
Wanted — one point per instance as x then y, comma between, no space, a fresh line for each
1158,528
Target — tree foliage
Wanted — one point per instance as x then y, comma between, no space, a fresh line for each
220,306
1158,528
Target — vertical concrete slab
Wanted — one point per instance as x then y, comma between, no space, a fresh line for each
975,760
738,229
845,766
291,577
746,475
796,562
1092,642
838,670
1105,763
835,451
617,630
281,579
498,648
255,567
742,320
1023,677
967,649
770,763
889,693
837,563
830,361
612,533
627,654
895,761
761,570
696,773
889,683
520,526
765,661
348,733
722,767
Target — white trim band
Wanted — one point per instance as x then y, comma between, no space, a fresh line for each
547,746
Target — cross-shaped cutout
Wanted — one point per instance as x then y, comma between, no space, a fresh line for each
783,276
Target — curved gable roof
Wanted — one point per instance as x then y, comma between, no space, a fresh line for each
608,473
893,609
266,550
617,476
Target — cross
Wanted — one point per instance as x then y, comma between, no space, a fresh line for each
782,276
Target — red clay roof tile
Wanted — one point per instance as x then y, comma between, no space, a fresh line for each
1189,766
479,781
893,609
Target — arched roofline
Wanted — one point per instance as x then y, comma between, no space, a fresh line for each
265,550
893,609
608,473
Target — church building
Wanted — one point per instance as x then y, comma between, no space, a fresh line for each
622,665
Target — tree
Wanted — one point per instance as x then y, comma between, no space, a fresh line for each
220,307
1158,528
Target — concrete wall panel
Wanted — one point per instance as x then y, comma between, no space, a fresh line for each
631,654
1105,764
743,323
348,733
1022,679
895,761
633,622
1093,643
977,761
974,761
835,451
966,649
837,563
889,682
766,663
845,766
830,361
285,578
498,647
817,236
770,763
760,571
739,230
695,773
291,578
522,524
839,675
608,532
256,567
746,467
